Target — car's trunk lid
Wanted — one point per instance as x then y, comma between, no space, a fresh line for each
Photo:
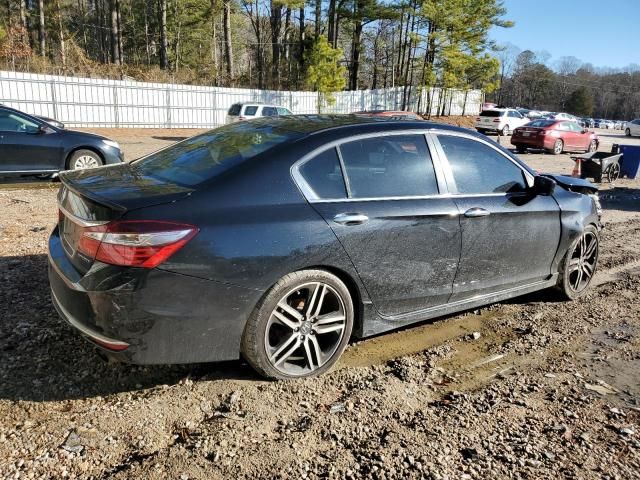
95,197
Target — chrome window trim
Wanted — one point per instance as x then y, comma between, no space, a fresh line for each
447,167
311,196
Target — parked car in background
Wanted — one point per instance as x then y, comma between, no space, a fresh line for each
51,121
530,114
30,145
554,136
271,240
501,120
246,111
563,116
391,114
632,128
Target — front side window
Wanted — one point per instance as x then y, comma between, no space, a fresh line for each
269,111
324,175
12,122
283,111
479,169
389,166
250,111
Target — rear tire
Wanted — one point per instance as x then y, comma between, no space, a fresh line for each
558,147
520,149
579,264
296,333
83,159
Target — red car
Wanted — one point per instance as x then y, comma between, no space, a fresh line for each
555,136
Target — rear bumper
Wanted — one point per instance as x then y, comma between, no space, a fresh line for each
534,142
150,316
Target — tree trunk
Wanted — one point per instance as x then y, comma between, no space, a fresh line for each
23,14
318,18
41,30
301,46
355,56
331,22
214,46
119,20
115,49
226,26
276,24
63,50
147,14
164,46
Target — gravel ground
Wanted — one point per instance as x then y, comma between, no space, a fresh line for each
530,388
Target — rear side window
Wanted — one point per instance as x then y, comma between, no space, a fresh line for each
479,169
250,110
205,156
235,109
389,166
491,113
324,175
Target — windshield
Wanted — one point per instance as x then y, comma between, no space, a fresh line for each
204,156
541,123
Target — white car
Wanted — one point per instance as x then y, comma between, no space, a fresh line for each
246,111
564,116
633,128
501,120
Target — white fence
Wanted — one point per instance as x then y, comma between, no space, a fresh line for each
89,102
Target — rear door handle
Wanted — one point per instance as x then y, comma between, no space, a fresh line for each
476,212
350,218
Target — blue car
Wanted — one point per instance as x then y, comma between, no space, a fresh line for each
31,145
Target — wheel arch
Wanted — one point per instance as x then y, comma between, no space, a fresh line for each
354,290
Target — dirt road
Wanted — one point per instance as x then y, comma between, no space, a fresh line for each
530,388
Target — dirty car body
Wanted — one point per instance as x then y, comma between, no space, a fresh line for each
249,203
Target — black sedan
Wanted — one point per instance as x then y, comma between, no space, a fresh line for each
279,239
36,145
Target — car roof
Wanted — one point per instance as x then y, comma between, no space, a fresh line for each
350,124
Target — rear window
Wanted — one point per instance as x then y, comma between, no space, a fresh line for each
492,113
235,109
541,123
250,110
204,156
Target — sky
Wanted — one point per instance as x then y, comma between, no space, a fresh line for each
605,33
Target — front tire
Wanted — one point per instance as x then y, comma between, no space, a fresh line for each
579,264
627,132
593,146
83,159
506,130
301,326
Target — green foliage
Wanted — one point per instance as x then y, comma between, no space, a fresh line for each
580,102
324,74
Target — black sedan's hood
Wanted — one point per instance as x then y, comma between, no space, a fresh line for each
122,188
572,183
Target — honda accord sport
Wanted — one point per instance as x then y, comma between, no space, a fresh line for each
280,239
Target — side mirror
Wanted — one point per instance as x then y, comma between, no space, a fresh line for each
543,185
584,130
44,129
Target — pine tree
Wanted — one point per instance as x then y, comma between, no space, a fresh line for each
324,74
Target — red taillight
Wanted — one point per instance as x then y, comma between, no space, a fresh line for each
496,120
135,243
478,119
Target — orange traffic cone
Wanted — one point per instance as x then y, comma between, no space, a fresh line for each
577,170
